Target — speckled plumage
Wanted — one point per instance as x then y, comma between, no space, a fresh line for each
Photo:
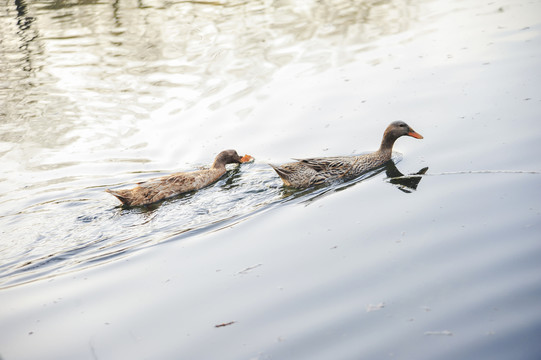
307,172
154,190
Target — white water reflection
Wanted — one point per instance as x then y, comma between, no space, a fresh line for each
94,64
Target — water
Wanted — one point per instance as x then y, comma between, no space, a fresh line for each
95,101
441,265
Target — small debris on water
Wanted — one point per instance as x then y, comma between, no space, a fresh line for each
224,324
249,268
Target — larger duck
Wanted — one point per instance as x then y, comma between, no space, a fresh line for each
154,190
307,172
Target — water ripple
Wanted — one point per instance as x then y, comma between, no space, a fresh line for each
71,233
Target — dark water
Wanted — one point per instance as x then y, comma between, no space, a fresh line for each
443,264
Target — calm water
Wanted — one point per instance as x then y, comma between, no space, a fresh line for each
105,94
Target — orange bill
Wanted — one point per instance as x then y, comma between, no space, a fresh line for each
246,158
412,133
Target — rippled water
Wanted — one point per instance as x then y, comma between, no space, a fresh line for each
91,234
94,91
443,264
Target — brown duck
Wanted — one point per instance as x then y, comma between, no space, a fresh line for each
154,190
307,172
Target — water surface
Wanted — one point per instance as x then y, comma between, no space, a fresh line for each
105,94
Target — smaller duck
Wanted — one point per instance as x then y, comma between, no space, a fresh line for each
154,190
307,172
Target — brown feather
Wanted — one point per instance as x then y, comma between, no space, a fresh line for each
154,190
307,172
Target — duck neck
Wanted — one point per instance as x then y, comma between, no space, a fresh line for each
386,147
218,165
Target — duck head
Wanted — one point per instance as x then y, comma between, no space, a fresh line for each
230,157
395,130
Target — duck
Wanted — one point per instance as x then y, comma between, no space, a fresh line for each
154,190
304,173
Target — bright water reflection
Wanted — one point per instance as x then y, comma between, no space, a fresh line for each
74,69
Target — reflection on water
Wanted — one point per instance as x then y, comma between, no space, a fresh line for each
90,63
407,183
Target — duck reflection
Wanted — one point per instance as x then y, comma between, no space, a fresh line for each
405,183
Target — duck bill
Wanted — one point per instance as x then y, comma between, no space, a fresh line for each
246,158
412,133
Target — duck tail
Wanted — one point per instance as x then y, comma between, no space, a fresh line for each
120,195
283,173
280,171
